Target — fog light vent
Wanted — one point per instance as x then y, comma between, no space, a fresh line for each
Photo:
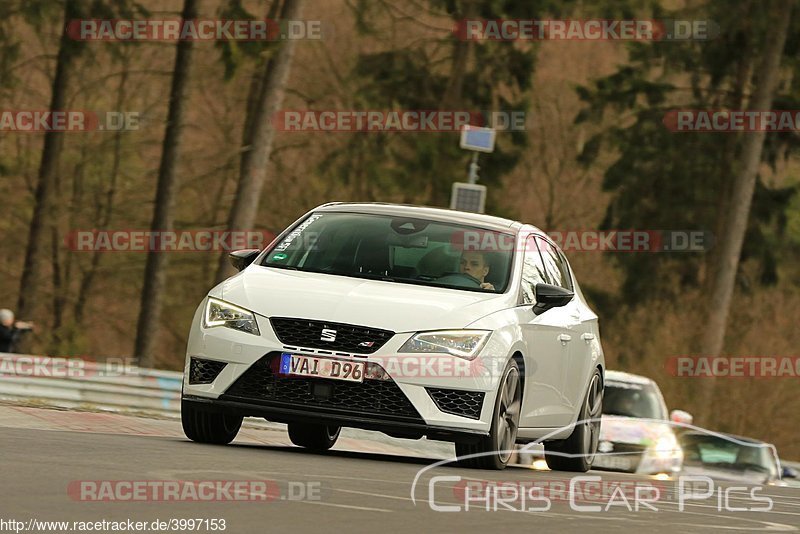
204,371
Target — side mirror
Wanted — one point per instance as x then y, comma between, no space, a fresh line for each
679,416
242,258
550,296
789,472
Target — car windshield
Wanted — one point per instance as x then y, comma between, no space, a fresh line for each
720,453
397,249
632,400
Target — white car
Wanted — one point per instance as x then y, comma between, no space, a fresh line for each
636,434
408,320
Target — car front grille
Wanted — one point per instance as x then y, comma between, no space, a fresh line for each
336,336
458,402
262,384
203,371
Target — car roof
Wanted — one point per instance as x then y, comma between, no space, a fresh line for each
440,214
619,376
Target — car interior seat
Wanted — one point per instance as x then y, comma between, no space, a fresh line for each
437,262
372,257
498,266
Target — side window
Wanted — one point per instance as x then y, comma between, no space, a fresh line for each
554,264
565,271
533,271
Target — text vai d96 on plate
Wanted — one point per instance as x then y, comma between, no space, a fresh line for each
297,365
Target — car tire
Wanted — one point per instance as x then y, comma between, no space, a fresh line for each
577,452
311,436
495,450
205,426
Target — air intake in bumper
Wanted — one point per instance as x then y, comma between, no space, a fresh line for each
202,371
458,402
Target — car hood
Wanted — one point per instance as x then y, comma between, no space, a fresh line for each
730,475
618,429
375,303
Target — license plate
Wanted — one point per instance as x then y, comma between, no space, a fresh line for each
613,462
297,365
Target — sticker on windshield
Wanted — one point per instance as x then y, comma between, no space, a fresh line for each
280,256
294,234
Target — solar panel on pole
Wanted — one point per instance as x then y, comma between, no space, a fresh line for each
468,197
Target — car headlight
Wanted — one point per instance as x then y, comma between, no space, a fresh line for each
219,313
462,343
666,446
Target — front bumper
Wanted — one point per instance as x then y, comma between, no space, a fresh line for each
406,405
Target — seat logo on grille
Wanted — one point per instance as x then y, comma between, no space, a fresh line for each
328,334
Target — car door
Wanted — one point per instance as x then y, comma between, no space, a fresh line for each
547,351
580,323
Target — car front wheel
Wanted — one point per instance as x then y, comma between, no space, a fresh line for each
494,451
311,436
576,453
205,426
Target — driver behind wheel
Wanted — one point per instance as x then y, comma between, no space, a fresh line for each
475,265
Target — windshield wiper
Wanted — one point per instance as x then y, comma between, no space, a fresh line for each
370,276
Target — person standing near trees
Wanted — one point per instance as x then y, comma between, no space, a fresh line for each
11,331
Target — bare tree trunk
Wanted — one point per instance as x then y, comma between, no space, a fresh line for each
257,77
63,262
257,149
59,291
105,219
163,216
451,97
744,184
253,94
727,156
37,252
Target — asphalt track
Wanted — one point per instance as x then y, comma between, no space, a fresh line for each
362,485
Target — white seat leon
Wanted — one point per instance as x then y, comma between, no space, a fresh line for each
408,320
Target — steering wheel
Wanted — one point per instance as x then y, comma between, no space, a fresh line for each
460,279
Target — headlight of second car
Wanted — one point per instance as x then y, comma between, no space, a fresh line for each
667,446
220,313
462,343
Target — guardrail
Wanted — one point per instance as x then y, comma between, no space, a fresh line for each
74,382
